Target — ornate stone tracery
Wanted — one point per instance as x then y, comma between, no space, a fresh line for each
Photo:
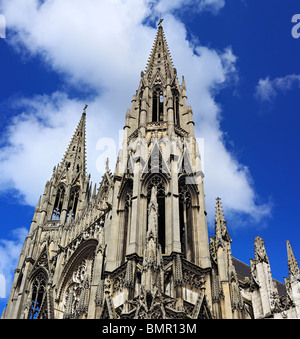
74,297
37,305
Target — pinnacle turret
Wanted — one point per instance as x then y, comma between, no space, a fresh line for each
219,210
292,262
260,250
220,223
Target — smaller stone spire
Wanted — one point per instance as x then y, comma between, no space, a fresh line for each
260,250
219,210
74,160
292,262
220,223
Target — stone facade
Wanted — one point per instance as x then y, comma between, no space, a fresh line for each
138,246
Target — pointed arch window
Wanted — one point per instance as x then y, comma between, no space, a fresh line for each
157,181
73,203
58,205
158,105
176,107
73,291
38,308
140,104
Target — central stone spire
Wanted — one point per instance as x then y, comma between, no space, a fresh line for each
160,61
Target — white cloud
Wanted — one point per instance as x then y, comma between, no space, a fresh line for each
105,46
268,89
165,6
9,255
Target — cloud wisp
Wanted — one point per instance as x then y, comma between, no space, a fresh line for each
267,89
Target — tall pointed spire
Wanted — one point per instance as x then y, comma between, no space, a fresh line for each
74,159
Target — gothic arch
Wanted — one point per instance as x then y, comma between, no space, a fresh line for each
37,303
158,104
73,203
126,187
41,264
36,272
59,201
150,178
84,250
189,181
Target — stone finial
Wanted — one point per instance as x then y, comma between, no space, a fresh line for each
85,108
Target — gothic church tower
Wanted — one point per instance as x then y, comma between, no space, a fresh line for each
137,247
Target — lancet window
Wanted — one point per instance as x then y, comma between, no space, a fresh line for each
38,308
158,105
58,205
176,107
73,203
140,100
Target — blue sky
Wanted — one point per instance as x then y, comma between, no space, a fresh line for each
241,66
